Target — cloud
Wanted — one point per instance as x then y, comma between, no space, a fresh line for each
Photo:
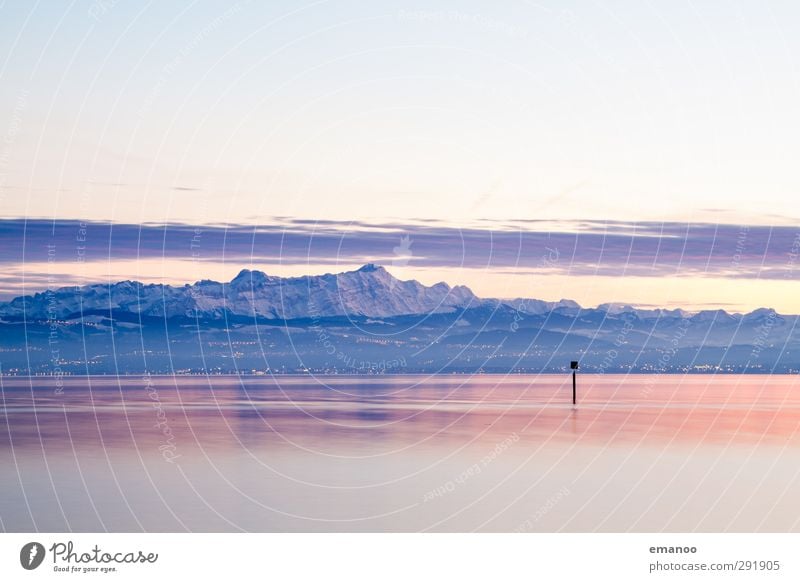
615,248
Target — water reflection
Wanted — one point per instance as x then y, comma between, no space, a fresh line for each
340,453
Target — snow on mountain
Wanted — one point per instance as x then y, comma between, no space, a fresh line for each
620,308
762,315
716,316
567,307
370,291
539,307
529,306
128,296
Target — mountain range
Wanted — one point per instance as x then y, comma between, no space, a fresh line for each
368,321
370,291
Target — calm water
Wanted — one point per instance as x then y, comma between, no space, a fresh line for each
640,453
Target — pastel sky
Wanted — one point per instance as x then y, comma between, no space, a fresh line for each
599,126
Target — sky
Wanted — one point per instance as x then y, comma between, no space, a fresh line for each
599,125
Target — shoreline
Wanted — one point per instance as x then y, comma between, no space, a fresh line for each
565,374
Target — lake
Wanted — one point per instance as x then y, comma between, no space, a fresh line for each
401,453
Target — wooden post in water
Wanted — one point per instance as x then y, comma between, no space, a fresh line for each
574,366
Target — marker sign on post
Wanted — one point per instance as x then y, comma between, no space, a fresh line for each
573,366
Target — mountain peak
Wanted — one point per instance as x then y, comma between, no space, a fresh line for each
616,308
249,276
370,268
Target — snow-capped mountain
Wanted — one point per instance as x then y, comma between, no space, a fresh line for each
717,316
367,321
369,291
539,307
619,308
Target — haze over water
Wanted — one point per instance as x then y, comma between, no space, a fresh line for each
401,453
